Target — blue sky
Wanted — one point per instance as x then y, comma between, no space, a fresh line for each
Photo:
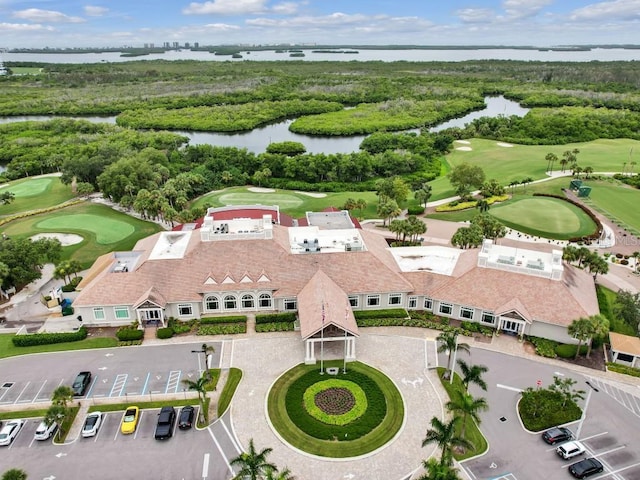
66,23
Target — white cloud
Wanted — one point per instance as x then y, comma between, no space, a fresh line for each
94,11
616,9
221,27
285,8
23,27
524,8
46,16
226,7
476,15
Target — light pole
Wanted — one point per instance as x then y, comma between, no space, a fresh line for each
204,350
586,405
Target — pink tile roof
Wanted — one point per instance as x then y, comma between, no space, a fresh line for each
321,303
625,344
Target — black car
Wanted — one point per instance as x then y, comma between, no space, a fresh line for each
166,420
557,434
186,418
81,383
586,468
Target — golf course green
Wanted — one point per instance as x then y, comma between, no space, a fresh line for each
106,230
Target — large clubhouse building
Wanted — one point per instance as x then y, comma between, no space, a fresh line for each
254,259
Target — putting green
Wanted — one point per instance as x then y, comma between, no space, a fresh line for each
106,230
247,198
29,188
545,215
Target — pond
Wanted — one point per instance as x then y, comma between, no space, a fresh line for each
258,139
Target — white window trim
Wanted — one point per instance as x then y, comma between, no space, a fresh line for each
290,301
248,296
185,305
354,301
445,304
121,308
467,309
482,320
413,300
260,298
430,300
224,303
372,297
394,295
99,316
206,303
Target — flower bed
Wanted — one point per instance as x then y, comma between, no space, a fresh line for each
335,402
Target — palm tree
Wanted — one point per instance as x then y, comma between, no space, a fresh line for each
551,158
14,474
599,329
253,465
271,474
465,405
361,204
62,396
482,205
200,386
449,343
435,471
444,435
580,329
472,374
588,171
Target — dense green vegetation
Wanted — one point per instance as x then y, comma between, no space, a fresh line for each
8,349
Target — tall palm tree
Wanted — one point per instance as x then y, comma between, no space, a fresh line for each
466,405
482,205
581,329
449,343
472,374
551,158
253,465
444,436
200,386
599,329
436,471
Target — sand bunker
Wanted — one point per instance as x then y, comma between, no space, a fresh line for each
462,141
261,190
464,149
502,144
313,194
66,239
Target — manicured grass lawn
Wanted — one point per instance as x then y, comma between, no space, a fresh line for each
379,436
7,349
35,193
545,217
102,221
295,204
618,202
121,407
229,389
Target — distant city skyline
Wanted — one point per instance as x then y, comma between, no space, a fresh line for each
116,23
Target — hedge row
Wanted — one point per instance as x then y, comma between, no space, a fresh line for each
127,334
388,313
411,322
616,367
567,350
592,216
229,329
276,317
275,327
164,333
39,211
49,338
227,319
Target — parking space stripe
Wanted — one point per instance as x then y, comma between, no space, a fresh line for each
5,392
221,452
95,379
221,354
17,400
35,399
173,381
146,383
118,385
205,466
231,437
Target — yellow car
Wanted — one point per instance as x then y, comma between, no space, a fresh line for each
130,420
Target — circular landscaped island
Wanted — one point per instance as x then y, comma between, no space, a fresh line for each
342,415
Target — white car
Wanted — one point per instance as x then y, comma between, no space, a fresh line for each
44,431
91,424
570,449
9,431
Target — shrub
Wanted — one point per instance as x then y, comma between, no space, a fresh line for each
275,327
619,255
179,326
129,333
624,261
471,326
276,317
615,367
164,333
229,329
544,347
387,313
569,351
226,319
415,210
49,338
541,409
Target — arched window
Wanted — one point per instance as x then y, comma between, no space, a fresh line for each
212,303
247,301
230,302
264,301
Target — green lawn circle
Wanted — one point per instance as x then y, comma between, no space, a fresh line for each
545,217
354,413
284,200
375,428
106,230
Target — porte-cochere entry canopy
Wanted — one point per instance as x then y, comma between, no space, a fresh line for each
325,316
